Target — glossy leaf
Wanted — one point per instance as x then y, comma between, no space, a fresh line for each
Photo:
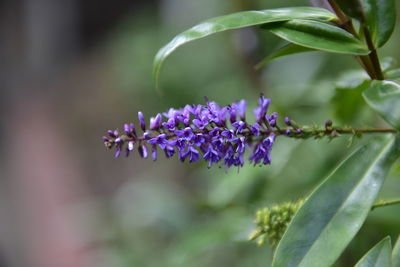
352,8
380,18
396,254
236,21
378,256
384,98
335,210
286,50
318,35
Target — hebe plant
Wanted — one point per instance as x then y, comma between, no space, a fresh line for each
320,227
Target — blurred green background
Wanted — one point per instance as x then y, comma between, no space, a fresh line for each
73,69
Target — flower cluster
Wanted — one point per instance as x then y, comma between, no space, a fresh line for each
272,222
216,134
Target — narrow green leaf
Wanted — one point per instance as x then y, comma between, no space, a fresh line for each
380,17
286,50
378,256
318,35
396,254
384,98
335,210
236,21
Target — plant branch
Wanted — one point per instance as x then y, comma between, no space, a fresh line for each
365,61
383,203
373,55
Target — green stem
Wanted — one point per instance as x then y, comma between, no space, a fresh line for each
383,203
373,55
369,63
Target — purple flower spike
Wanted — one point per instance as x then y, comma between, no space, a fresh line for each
155,123
202,131
142,121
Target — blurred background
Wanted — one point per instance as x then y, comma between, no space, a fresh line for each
71,69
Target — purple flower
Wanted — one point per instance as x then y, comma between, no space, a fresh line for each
288,121
160,140
238,109
129,129
192,153
154,152
170,124
262,152
255,129
262,108
155,123
211,156
143,151
201,131
186,133
169,151
239,126
142,121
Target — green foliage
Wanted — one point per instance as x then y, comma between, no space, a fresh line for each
336,210
378,15
272,222
380,18
236,21
286,50
378,256
384,98
396,254
318,35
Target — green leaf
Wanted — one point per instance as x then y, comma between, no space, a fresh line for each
378,256
336,209
384,98
236,21
286,50
396,254
392,74
351,8
318,35
380,16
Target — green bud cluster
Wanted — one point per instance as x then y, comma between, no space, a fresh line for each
272,222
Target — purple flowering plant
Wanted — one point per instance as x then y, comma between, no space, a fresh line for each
314,231
216,134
